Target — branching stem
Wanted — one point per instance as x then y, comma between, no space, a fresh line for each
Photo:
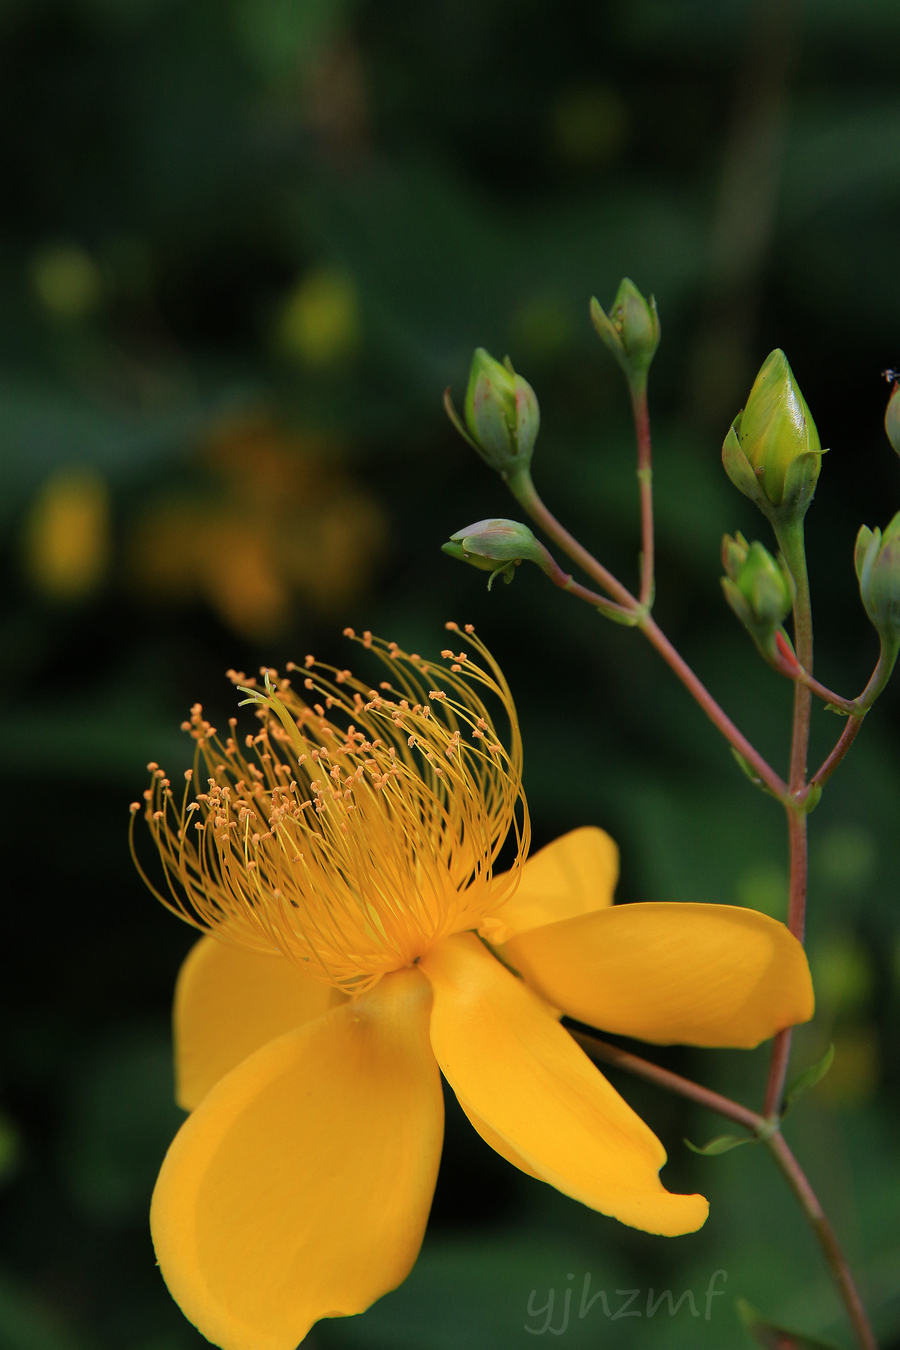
767,1130
793,794
527,496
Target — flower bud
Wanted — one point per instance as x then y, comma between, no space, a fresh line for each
631,330
892,417
734,554
498,546
502,414
759,589
772,452
765,586
878,569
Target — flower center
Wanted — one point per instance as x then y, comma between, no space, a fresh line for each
358,826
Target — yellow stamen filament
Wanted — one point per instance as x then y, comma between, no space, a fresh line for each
359,827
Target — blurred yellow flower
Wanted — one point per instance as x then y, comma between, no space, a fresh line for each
320,324
280,523
342,866
66,540
67,281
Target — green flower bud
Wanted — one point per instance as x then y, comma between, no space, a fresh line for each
498,546
772,452
759,589
892,418
631,331
502,415
877,561
766,586
734,554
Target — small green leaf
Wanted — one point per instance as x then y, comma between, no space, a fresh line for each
723,1144
751,773
808,1078
773,1337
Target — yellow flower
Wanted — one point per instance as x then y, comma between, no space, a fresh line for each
342,864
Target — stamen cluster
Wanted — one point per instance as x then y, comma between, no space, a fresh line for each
358,825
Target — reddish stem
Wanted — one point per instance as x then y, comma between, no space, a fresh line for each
827,1239
847,737
768,1132
645,480
714,712
526,494
671,1082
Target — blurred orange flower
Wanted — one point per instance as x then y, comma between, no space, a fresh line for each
281,523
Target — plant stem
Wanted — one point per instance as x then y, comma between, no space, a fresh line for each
714,712
854,707
670,1082
827,1239
645,480
767,1130
527,496
792,546
847,737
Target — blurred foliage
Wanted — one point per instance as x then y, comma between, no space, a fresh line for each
246,244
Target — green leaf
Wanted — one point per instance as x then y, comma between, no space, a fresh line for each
723,1144
808,1078
773,1337
747,768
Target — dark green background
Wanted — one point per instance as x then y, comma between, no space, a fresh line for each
473,172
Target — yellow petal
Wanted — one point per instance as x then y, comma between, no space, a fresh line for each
575,874
230,1002
498,1143
514,1067
687,973
301,1185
